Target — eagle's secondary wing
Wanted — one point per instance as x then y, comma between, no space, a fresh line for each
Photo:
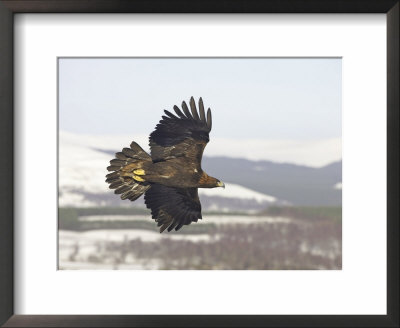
184,134
173,207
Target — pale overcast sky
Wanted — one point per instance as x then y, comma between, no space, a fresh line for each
263,98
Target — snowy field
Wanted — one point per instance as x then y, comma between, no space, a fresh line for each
278,238
83,249
215,219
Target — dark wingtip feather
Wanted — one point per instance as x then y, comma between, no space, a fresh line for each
178,111
194,109
209,119
164,226
169,114
179,226
173,225
186,110
201,110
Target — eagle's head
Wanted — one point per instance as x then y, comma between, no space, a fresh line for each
206,181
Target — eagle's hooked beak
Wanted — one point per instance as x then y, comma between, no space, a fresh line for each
221,184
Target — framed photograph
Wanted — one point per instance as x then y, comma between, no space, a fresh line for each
276,166
123,120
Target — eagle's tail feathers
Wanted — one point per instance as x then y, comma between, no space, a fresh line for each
122,178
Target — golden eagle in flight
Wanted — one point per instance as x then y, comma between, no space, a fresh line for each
169,178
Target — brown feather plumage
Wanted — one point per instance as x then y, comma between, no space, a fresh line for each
170,176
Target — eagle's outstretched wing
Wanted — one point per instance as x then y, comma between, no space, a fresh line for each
173,207
182,135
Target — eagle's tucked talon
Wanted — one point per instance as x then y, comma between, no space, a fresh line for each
171,176
139,172
138,178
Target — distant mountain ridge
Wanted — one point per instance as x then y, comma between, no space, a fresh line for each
300,185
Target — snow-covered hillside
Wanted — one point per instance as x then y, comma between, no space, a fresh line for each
82,173
237,191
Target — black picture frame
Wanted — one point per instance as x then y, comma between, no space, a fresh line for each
10,7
